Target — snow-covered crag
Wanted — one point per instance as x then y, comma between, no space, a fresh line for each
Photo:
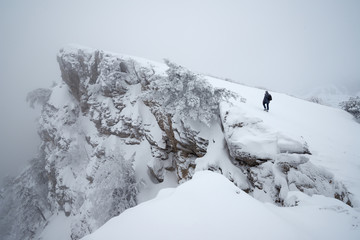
118,127
273,162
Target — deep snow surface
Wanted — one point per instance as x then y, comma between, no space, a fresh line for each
210,207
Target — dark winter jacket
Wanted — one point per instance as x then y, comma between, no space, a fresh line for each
267,97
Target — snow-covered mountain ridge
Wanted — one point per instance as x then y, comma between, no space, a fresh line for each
118,129
329,95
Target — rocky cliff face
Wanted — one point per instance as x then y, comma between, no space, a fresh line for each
94,126
116,123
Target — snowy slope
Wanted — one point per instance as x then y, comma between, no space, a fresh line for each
120,129
332,134
210,207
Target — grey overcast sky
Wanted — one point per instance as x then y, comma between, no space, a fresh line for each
281,45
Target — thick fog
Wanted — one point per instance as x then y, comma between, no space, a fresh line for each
287,46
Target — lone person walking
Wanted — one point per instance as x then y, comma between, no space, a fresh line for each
266,101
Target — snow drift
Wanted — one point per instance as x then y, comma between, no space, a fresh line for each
210,207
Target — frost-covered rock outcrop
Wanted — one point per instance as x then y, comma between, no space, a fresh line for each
273,162
116,124
95,124
107,121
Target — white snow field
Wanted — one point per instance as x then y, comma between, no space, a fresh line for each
211,207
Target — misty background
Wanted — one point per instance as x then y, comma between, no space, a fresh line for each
285,46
